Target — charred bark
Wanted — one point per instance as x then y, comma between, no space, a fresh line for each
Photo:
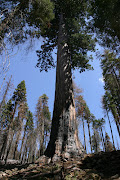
64,132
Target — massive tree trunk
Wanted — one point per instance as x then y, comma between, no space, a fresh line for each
64,132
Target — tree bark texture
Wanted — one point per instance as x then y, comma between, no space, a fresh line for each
42,138
64,131
88,124
111,131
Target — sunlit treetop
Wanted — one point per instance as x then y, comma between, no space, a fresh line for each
79,39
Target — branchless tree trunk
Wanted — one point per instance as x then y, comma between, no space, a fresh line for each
5,94
23,140
16,144
84,133
4,145
42,138
6,140
64,132
102,139
88,124
111,130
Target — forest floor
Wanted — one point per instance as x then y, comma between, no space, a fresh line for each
101,166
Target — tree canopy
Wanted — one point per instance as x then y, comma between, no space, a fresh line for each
106,22
79,40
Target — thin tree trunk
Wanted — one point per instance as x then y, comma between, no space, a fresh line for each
64,130
116,118
103,140
16,145
89,135
22,144
118,128
7,137
33,157
42,139
4,145
29,156
118,92
23,156
116,79
5,94
84,134
10,128
96,145
17,137
9,147
46,138
111,131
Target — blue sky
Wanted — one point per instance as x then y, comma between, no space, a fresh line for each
22,67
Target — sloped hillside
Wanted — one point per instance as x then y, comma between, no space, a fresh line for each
105,165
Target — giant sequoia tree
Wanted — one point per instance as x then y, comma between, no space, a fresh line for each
68,32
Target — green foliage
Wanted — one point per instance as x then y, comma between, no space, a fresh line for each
6,114
97,125
108,143
96,142
111,72
106,20
17,121
82,110
110,106
19,94
29,121
43,121
41,17
44,100
79,42
79,39
21,20
41,13
18,100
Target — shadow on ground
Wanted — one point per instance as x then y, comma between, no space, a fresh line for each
101,166
106,164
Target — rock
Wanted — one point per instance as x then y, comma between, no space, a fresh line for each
9,172
2,174
75,169
15,169
69,167
43,160
32,166
13,161
66,155
49,160
22,170
55,158
115,176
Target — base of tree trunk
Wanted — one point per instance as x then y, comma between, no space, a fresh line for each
64,142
